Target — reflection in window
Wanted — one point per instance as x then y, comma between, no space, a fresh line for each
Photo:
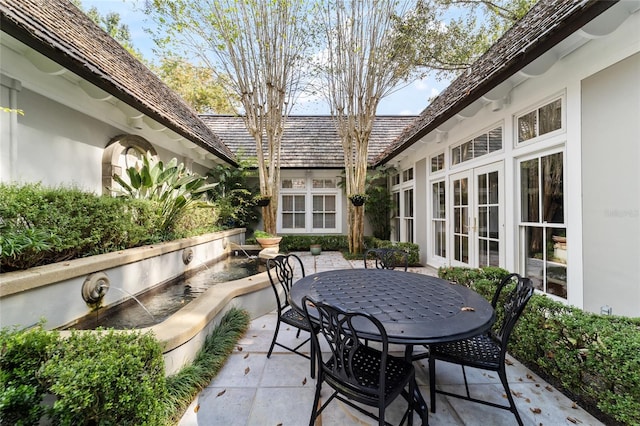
408,215
437,163
439,214
543,230
483,144
540,121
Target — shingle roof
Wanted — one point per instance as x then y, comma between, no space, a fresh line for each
60,31
308,141
546,25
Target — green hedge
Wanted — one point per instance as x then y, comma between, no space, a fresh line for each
100,378
291,243
593,358
104,378
46,225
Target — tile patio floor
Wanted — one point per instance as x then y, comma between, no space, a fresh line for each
252,390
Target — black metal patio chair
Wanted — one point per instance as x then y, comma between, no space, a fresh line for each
281,274
387,258
486,351
358,374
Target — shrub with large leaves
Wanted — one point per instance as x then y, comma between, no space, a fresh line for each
172,186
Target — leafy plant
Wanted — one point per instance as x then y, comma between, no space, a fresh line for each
262,234
107,378
22,353
591,357
44,225
234,197
172,186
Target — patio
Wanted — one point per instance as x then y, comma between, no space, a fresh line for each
253,390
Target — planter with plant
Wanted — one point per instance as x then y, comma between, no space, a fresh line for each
315,247
267,240
358,199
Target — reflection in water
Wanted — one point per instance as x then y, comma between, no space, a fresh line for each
162,302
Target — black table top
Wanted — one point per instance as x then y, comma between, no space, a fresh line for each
414,308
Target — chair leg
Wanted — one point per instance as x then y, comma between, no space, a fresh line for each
316,401
275,336
432,383
512,403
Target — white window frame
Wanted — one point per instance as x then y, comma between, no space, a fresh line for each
535,107
403,224
483,157
308,192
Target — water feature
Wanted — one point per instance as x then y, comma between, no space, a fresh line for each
163,301
249,256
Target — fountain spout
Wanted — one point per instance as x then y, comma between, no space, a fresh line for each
95,287
243,250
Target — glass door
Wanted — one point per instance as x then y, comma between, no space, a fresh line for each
460,230
477,217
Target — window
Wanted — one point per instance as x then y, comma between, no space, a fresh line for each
439,216
540,121
309,205
324,211
407,175
542,226
395,179
408,215
437,163
293,211
396,216
480,145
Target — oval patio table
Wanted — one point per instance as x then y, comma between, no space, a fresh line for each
415,309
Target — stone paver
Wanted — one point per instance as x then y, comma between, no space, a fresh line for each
252,390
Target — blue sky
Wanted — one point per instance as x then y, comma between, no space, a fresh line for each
410,100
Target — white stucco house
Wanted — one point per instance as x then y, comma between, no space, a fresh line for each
528,161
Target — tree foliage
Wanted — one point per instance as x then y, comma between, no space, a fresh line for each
447,36
261,46
199,86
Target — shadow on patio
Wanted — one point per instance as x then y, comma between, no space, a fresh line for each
253,390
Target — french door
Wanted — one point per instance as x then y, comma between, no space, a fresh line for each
477,217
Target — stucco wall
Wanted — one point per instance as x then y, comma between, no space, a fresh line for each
611,188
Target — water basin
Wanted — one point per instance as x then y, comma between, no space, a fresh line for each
163,301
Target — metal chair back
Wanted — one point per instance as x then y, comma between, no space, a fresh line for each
387,258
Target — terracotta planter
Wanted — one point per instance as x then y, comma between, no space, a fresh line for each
269,242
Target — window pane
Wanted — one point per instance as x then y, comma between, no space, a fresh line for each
482,189
298,183
408,203
287,220
440,234
438,207
318,183
330,203
494,258
552,188
287,183
527,127
480,146
317,220
483,253
299,221
330,220
318,203
483,218
529,191
493,188
551,117
493,222
455,155
533,256
287,203
467,151
299,203
495,139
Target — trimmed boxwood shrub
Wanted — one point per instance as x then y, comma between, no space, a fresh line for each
41,225
594,359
